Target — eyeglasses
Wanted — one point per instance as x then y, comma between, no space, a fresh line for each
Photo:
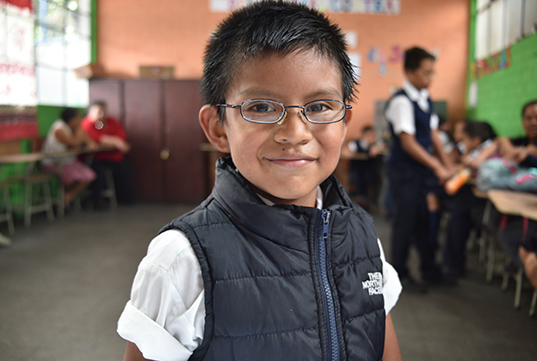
428,74
264,111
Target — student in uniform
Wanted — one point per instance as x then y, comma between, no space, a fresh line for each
413,169
278,263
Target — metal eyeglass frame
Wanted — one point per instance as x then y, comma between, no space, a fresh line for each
282,117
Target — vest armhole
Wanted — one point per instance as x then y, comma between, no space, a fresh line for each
192,237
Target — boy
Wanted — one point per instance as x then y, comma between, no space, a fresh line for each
277,264
413,170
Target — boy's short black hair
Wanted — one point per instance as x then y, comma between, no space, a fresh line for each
480,129
527,105
271,27
68,114
100,103
414,56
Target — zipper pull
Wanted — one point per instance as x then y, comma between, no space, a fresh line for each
326,221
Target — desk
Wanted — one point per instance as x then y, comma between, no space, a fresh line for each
29,177
33,158
517,204
514,203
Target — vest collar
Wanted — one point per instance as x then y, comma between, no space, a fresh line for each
245,207
419,96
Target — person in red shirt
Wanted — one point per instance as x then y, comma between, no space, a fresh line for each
106,130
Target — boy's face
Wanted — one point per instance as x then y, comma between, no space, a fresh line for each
422,77
284,162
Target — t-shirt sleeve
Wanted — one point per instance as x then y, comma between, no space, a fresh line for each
400,113
166,313
435,121
391,285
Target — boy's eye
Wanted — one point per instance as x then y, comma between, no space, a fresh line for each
317,107
259,107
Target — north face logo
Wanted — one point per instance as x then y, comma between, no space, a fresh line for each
374,284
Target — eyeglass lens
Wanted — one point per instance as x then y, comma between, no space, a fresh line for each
267,111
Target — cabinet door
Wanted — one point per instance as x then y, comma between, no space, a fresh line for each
184,169
144,126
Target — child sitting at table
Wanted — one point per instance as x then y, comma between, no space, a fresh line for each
478,139
65,134
277,263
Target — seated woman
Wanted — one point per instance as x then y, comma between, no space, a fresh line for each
523,150
64,134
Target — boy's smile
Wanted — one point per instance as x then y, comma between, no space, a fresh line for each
284,162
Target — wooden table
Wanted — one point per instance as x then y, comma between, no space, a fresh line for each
38,156
517,204
30,160
514,203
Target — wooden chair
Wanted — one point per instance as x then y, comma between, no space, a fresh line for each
37,194
37,197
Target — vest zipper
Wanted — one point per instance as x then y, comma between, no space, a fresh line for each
333,343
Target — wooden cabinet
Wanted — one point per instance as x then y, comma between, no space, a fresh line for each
161,120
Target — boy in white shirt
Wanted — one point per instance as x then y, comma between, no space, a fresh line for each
278,263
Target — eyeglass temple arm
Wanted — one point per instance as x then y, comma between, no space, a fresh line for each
228,106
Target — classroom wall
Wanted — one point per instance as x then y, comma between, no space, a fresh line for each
501,94
166,32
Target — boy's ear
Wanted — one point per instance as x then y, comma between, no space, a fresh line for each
348,115
215,132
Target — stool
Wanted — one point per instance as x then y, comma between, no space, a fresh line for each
60,199
110,190
32,183
7,216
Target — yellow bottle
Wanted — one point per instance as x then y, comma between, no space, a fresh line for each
453,185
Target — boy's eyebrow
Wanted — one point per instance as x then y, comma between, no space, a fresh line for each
328,93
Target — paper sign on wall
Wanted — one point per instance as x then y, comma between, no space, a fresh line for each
386,7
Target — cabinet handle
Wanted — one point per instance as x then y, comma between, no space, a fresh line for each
164,154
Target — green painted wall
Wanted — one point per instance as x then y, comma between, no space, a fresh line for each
501,94
47,114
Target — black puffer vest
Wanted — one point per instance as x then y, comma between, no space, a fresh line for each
286,282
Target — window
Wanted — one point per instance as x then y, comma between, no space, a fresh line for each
62,35
17,79
501,23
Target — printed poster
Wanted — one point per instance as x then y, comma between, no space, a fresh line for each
384,7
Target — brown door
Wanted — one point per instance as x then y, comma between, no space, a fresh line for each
184,168
144,125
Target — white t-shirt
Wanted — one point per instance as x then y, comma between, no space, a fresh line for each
165,316
400,111
52,145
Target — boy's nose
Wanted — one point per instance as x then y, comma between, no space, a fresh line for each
293,128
